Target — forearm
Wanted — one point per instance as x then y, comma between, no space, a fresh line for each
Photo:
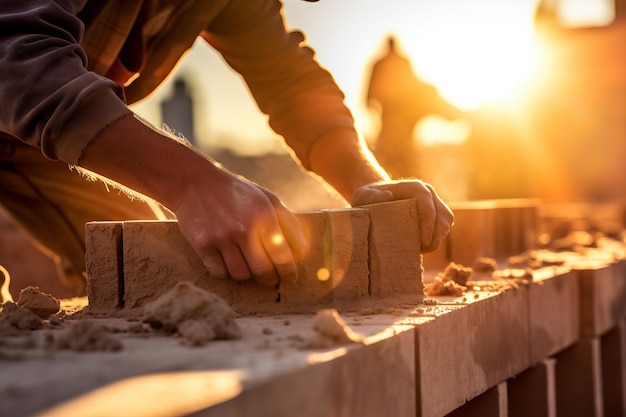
344,162
145,160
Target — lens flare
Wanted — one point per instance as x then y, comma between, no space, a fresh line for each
323,274
277,239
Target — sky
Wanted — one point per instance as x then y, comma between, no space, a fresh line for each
474,52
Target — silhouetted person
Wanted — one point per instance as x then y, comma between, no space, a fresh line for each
403,100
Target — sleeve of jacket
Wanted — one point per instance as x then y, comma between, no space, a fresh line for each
301,98
49,99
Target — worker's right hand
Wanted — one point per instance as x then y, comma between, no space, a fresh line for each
240,230
237,228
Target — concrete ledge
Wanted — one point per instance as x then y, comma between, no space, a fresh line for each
468,350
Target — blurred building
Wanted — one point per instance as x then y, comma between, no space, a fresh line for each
177,111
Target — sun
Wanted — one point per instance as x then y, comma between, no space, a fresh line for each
476,52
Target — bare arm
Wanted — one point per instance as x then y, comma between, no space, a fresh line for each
237,228
342,159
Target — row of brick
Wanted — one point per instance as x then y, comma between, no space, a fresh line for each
356,254
491,228
556,346
586,379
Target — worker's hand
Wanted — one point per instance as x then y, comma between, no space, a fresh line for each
436,218
237,228
241,231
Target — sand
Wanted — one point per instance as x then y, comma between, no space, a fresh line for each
42,304
197,315
86,336
331,330
15,318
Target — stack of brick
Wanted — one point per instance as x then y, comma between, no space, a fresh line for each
356,255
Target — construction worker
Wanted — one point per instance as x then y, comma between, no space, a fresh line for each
70,68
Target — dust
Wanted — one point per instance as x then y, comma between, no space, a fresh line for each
85,336
532,259
452,281
14,318
42,304
331,330
197,315
484,265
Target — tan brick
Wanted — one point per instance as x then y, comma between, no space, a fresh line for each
471,348
308,289
347,233
374,380
578,380
602,296
104,263
472,235
156,256
395,249
613,354
492,403
533,392
554,312
437,260
516,227
496,229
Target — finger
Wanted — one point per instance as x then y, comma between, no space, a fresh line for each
427,217
235,262
279,253
214,263
443,221
258,261
293,232
371,195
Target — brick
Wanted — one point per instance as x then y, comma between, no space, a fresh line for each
613,354
470,349
104,263
437,260
347,236
602,296
374,380
516,227
473,232
533,392
395,250
308,289
489,404
578,380
554,312
156,256
492,228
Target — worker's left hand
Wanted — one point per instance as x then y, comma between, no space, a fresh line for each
436,218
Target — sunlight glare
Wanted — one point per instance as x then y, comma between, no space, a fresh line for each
589,13
435,130
476,52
